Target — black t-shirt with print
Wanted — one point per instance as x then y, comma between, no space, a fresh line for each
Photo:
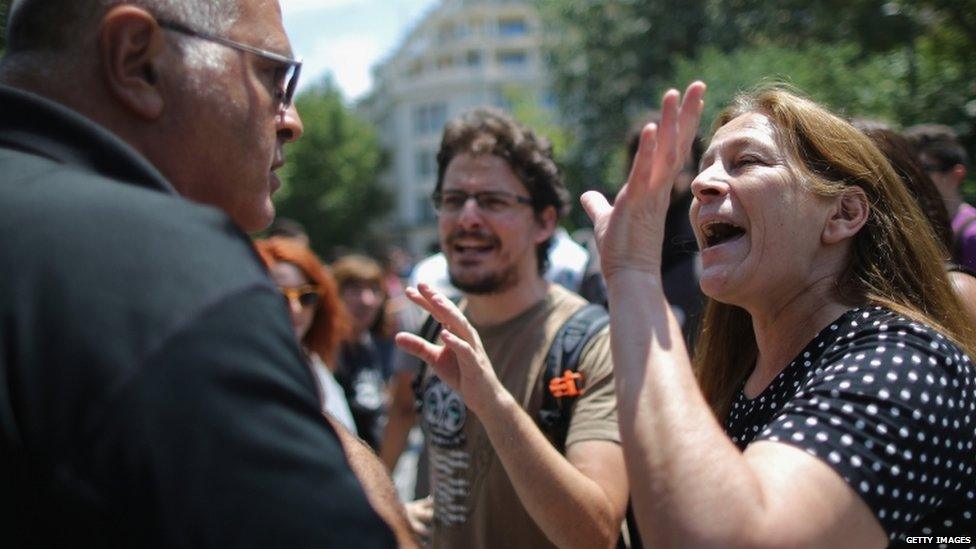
890,405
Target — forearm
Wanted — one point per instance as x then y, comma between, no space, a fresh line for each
376,483
681,464
401,419
570,508
395,434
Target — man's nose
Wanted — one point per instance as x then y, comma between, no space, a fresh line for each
470,213
290,126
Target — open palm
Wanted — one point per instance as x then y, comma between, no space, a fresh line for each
461,362
630,233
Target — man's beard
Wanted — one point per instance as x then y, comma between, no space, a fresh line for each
489,283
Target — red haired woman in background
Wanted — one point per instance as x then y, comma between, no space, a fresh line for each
318,317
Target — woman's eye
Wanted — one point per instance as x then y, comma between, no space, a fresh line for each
747,160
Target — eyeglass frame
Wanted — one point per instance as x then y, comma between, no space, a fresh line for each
296,294
437,196
289,92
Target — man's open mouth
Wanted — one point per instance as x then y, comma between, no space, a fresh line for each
473,248
719,232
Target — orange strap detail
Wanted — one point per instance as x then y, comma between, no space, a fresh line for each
569,384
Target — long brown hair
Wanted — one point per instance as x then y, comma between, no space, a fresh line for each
330,324
895,260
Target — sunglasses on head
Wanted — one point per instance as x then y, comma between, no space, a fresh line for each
306,296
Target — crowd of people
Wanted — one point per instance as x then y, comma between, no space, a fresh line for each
766,340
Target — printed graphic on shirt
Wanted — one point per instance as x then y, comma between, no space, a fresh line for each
444,417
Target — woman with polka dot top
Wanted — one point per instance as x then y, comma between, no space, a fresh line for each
835,397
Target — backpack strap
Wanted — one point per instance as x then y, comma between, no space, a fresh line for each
429,331
561,381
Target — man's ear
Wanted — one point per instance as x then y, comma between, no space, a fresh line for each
848,214
546,220
131,44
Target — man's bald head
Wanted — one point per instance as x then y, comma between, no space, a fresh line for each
62,25
202,104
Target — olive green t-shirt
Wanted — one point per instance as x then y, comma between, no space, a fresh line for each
475,504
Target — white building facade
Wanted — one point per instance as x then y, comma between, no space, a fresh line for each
463,54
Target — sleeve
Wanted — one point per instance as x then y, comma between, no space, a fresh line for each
595,411
968,245
889,409
222,429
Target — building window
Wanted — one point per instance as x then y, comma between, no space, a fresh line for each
445,62
512,26
513,59
429,118
426,163
445,34
473,58
415,69
425,210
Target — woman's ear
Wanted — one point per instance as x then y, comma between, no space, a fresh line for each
849,213
131,44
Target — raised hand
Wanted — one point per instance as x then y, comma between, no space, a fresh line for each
461,362
629,234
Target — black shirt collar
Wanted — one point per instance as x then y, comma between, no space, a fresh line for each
36,125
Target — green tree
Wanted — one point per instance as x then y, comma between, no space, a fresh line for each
907,61
835,75
605,68
330,179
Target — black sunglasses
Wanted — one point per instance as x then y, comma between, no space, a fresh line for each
294,66
307,296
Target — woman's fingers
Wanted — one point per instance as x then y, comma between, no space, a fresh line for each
689,116
666,149
643,166
595,205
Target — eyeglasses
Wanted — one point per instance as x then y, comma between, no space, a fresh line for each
289,77
306,296
493,202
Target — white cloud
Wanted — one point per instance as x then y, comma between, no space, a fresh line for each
349,59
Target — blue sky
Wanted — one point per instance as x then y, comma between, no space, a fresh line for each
347,37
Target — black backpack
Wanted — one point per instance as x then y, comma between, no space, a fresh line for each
562,383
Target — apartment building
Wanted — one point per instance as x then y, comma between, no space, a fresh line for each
462,54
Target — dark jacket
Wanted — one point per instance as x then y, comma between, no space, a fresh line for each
151,390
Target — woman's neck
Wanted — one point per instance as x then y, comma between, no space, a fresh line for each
784,330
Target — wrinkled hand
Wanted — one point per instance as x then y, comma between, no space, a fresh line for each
630,234
461,362
420,513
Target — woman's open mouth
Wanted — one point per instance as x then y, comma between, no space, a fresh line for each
720,232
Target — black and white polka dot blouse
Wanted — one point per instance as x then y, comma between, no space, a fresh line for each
890,405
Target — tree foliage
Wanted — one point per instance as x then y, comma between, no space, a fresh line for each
330,179
907,61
